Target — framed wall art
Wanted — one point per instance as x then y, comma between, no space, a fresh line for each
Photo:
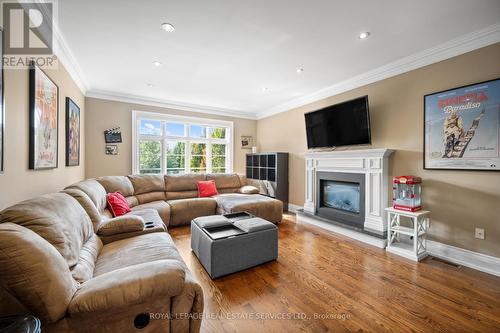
43,119
462,128
111,150
72,133
246,142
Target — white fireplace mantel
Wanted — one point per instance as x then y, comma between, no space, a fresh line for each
373,163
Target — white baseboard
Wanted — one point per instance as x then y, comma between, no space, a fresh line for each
456,255
293,208
378,242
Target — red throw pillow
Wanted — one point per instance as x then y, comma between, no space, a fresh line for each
206,188
117,204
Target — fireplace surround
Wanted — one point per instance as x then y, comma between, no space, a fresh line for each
364,170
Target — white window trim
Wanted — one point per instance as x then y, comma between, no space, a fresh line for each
186,120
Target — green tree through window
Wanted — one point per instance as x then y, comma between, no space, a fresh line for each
149,157
176,155
198,157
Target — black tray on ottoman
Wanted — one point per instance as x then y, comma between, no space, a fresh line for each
233,217
223,231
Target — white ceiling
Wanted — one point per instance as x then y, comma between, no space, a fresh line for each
223,53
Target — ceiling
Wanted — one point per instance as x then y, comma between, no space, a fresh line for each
241,57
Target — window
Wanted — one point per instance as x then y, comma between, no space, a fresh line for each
166,144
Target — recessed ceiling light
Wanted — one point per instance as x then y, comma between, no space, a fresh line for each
364,35
300,70
266,89
150,85
157,63
168,27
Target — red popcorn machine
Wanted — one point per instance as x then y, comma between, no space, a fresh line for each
407,193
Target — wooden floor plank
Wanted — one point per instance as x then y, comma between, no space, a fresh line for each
323,274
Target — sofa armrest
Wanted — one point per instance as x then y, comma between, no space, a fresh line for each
120,225
129,286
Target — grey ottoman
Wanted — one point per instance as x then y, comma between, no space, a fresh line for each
224,247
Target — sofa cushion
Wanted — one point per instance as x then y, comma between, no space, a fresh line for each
132,201
224,181
136,250
160,206
117,184
126,286
56,217
34,272
184,210
243,179
94,190
249,189
147,183
181,195
148,188
87,204
149,197
261,206
176,183
84,269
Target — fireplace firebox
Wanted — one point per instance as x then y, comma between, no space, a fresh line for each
341,197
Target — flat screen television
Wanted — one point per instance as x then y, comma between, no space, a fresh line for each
343,124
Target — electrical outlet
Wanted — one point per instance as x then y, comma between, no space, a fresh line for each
479,233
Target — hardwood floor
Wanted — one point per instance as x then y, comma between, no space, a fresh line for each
361,289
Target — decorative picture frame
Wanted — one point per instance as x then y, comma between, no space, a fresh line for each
43,120
462,128
111,149
72,133
246,142
2,109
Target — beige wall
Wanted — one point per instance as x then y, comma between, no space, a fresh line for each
459,200
104,114
18,182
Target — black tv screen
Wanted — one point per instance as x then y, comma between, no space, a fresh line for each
343,124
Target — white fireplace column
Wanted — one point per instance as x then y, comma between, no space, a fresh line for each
373,163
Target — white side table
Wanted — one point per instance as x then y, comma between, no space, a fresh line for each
414,246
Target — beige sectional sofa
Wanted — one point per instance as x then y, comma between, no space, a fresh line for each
65,259
175,198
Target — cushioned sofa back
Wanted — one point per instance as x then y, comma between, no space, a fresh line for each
119,184
94,190
148,188
182,186
226,183
34,273
87,204
56,217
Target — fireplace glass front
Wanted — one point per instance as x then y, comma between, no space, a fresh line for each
340,195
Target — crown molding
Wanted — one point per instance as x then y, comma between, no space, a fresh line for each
452,48
61,49
68,60
134,99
